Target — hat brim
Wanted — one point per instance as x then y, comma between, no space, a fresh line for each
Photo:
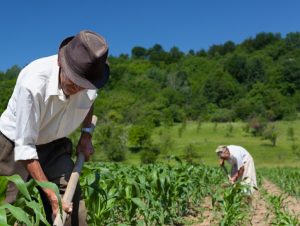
221,148
96,83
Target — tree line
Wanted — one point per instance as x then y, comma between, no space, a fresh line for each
257,81
259,77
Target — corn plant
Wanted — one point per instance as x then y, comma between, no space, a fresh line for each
231,203
288,179
282,217
28,207
148,195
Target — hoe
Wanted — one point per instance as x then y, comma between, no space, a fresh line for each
68,196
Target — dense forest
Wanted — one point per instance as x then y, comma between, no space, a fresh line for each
256,79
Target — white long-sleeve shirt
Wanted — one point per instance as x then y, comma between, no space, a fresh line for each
38,112
238,155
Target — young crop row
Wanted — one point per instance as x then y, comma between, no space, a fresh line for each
281,215
288,179
151,194
159,194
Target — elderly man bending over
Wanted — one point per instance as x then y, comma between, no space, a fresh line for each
242,164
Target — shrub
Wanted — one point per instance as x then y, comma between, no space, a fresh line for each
270,133
191,154
257,125
223,115
150,155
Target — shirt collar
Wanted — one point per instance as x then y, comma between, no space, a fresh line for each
53,88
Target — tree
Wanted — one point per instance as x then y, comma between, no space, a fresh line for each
291,73
257,125
175,54
190,153
243,109
12,72
222,50
139,53
157,53
111,139
201,53
236,66
270,133
150,155
292,40
221,89
139,138
255,71
260,41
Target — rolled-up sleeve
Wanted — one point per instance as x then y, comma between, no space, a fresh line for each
27,125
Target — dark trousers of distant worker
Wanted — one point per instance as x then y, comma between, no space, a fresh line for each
56,162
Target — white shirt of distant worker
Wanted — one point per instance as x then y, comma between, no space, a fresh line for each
242,164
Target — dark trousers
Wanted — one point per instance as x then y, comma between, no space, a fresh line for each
56,162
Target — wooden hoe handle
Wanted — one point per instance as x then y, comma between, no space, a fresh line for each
68,196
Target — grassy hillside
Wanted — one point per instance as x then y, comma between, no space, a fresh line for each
206,138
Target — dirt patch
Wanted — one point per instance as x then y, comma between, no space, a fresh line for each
291,203
207,215
261,211
261,214
205,218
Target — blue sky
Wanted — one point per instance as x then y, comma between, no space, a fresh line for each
30,29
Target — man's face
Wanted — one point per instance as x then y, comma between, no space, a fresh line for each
225,154
68,87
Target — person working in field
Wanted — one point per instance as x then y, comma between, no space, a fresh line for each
242,164
52,97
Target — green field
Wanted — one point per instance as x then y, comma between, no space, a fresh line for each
206,138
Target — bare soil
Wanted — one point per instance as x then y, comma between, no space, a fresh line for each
291,204
261,212
206,218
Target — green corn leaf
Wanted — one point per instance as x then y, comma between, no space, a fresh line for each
21,185
53,187
37,210
3,219
139,203
17,212
3,186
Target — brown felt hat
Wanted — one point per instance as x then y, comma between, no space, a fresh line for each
84,59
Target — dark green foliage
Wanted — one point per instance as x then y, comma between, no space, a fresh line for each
156,87
260,41
191,154
139,53
7,83
221,89
270,133
139,138
291,73
111,140
222,50
150,155
222,115
292,40
291,134
236,66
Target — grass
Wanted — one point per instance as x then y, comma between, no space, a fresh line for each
206,138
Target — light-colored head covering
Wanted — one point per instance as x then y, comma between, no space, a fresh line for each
221,148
